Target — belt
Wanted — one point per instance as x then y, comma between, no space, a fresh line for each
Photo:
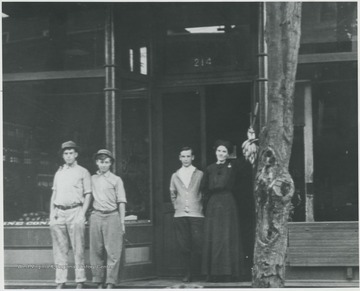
68,207
106,211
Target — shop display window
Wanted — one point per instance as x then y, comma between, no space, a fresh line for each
296,169
38,117
335,142
135,156
335,151
53,37
328,27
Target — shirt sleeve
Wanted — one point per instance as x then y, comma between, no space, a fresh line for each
93,185
172,183
173,192
54,187
120,191
87,182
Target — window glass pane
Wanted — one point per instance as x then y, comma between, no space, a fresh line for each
328,27
332,71
207,37
133,32
335,151
51,37
296,169
135,157
143,60
131,59
36,121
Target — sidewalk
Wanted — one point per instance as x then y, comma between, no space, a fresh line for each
169,283
175,283
163,283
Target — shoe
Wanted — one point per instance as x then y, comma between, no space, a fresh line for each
109,286
100,285
187,279
60,286
80,286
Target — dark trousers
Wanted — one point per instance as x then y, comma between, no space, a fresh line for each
189,237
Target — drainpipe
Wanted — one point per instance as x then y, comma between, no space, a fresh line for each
308,155
262,79
110,84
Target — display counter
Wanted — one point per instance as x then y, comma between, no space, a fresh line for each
323,254
28,253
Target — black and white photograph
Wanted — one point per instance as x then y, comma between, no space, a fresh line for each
180,144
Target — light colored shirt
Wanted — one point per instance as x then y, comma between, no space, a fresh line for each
71,183
187,200
185,174
107,190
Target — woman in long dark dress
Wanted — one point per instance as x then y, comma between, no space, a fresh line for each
223,258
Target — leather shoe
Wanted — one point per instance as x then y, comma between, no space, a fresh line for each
109,286
100,285
60,286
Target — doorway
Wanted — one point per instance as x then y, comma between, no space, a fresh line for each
227,115
197,117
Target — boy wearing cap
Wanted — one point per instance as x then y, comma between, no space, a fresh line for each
69,203
107,221
188,218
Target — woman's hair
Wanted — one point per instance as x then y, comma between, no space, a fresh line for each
224,143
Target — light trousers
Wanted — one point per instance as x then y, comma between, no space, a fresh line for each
69,224
106,241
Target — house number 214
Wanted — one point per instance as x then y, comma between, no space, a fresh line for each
202,62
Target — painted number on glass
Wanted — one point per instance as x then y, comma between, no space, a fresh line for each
202,62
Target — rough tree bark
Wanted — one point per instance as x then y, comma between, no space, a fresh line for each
273,185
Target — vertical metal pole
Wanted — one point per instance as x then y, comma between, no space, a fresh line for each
308,155
110,84
262,66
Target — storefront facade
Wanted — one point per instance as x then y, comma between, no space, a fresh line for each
145,79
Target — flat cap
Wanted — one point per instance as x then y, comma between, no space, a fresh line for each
104,152
69,145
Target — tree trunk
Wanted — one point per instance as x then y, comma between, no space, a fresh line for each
274,186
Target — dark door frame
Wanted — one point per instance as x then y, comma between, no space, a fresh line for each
162,208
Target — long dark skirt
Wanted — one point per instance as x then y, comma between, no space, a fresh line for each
222,254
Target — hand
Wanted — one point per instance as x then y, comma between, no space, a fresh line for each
52,215
51,218
81,218
122,225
